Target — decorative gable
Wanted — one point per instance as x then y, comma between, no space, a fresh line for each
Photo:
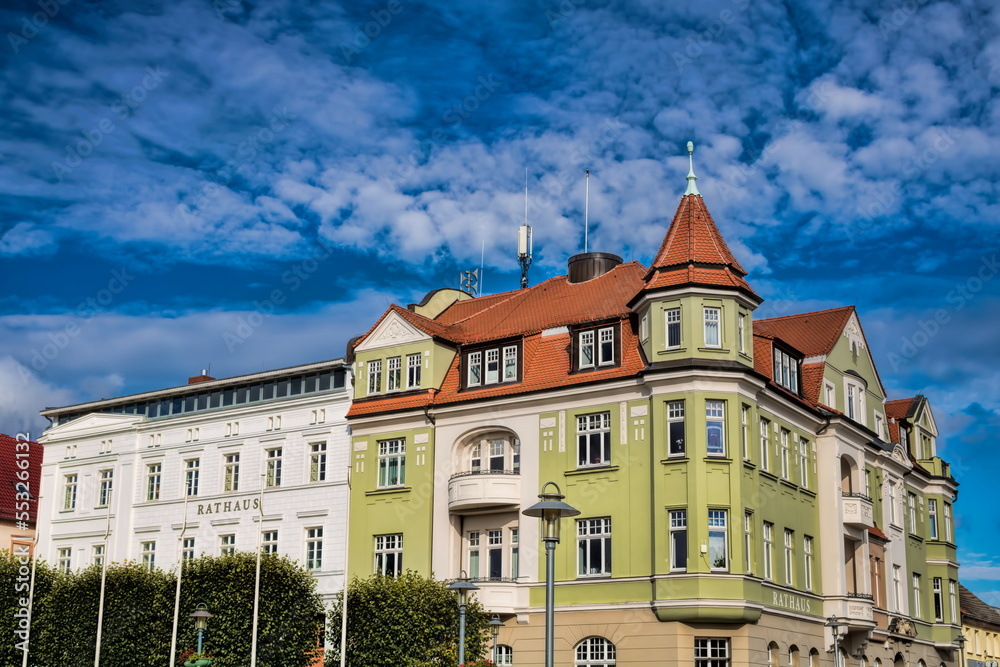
89,424
392,330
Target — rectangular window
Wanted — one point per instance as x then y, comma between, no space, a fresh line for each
765,453
391,463
314,548
394,374
893,515
474,556
644,328
712,337
911,499
932,520
515,563
317,462
897,589
99,555
830,395
678,541
227,545
807,550
715,427
593,539
916,595
711,652
594,439
718,552
786,370
947,522
675,428
192,470
69,492
880,426
510,363
789,558
497,451
475,372
586,349
804,464
492,366
414,364
748,542
153,475
389,555
64,559
938,600
745,431
606,350
494,555
274,467
953,603
673,328
269,541
148,555
187,549
104,491
374,377
741,328
768,551
784,453
231,473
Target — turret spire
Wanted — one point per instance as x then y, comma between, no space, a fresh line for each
692,188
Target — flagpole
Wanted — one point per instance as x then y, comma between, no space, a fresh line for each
104,579
180,571
31,584
256,583
343,606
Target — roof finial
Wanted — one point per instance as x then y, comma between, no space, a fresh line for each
692,188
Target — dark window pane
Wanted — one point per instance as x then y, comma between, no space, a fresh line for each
282,389
310,384
241,394
676,437
338,379
228,396
496,564
177,406
255,392
267,393
215,399
295,386
164,408
189,403
203,401
324,380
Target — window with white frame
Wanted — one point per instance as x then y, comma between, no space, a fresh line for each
389,555
786,370
718,549
911,503
148,551
593,435
938,600
745,431
391,463
807,569
269,541
916,595
897,589
192,471
606,346
711,652
748,542
317,462
768,551
855,401
473,559
393,374
715,423
595,652
494,555
675,428
804,463
932,518
830,394
274,467
593,540
187,548
783,440
880,426
69,492
374,377
741,332
765,444
515,551
64,559
673,316
500,366
231,473
893,510
414,364
644,327
474,368
596,347
789,557
104,491
953,603
153,476
314,548
678,541
98,555
947,522
503,656
227,544
713,335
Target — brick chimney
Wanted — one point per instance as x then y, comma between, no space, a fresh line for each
204,377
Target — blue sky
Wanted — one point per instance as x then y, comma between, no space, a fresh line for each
168,169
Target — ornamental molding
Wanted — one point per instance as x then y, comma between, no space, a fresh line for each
393,330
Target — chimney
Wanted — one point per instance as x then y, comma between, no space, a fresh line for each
589,265
204,377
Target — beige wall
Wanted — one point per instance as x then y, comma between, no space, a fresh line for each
10,535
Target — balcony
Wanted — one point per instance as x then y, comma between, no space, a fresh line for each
484,490
857,510
854,608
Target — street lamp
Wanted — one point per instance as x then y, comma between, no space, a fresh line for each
550,509
835,625
462,586
495,625
960,640
201,617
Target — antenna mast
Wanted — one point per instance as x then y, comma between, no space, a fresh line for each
586,214
524,238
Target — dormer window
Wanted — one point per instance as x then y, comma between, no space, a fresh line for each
596,348
492,365
786,370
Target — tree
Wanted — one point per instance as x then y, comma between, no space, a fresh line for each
405,620
15,578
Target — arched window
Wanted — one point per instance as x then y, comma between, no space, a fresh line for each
878,662
813,658
863,661
503,656
493,453
793,656
595,652
921,663
773,659
899,661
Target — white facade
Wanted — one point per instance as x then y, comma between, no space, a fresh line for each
296,445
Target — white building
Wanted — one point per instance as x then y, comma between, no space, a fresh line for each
142,463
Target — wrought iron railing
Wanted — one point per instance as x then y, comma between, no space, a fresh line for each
467,473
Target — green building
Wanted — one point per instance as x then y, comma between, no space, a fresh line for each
740,481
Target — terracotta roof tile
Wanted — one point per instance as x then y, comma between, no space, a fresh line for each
899,408
461,310
974,608
812,381
874,530
813,334
9,482
693,238
391,402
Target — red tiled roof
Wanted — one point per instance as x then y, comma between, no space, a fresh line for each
812,381
974,609
874,530
693,238
460,310
390,402
899,408
9,481
813,334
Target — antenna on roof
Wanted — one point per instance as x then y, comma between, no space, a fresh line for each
692,188
468,280
482,261
586,213
524,238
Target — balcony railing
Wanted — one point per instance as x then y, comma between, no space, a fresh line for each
861,596
484,489
466,473
857,510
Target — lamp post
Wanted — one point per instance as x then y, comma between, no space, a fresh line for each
201,617
495,625
550,509
960,640
835,625
462,586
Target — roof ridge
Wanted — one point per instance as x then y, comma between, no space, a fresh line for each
811,312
